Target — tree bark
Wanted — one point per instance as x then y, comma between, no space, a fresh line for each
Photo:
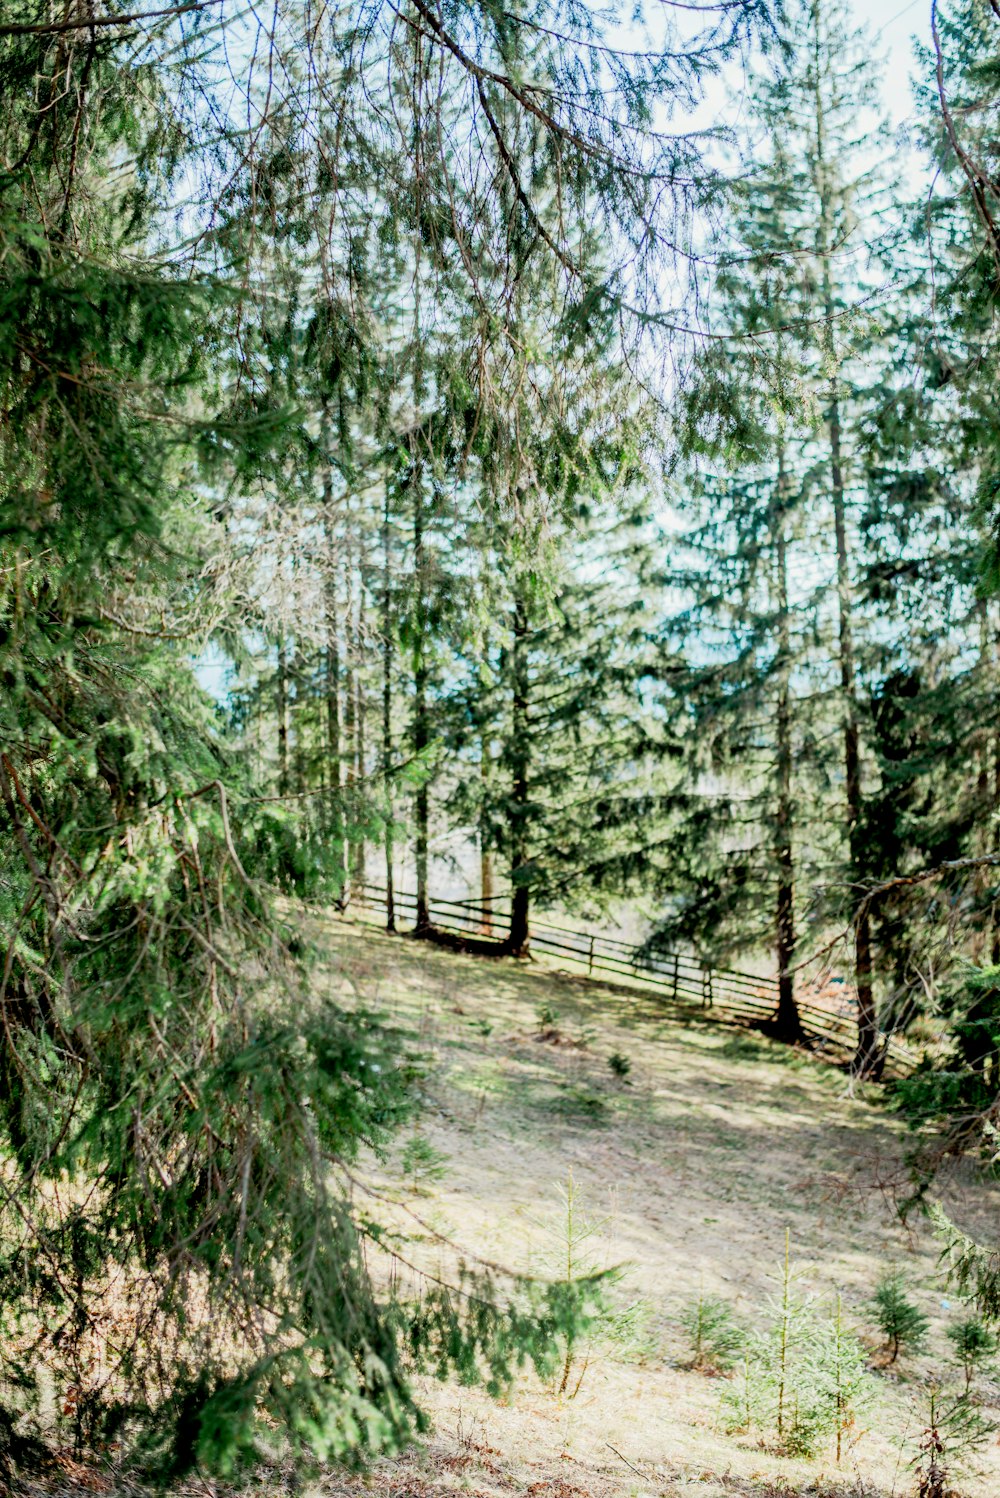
349,733
995,847
788,1023
421,724
282,686
333,690
518,815
387,667
866,1055
485,854
360,747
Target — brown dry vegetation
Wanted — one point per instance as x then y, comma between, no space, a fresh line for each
694,1168
691,1170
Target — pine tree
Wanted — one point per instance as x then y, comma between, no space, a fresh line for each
557,700
795,292
743,689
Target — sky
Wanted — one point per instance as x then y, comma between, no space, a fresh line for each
896,25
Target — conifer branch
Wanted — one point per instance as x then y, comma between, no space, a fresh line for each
90,23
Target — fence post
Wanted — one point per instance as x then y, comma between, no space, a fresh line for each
676,965
707,997
590,955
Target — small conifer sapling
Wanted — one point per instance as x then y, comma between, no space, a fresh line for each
902,1324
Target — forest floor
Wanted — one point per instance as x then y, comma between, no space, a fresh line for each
689,1172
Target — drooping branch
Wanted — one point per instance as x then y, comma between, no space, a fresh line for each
981,184
90,23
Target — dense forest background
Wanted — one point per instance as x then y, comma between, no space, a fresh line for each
565,439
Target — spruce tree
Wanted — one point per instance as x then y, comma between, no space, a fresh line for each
796,294
553,689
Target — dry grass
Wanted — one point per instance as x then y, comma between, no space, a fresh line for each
692,1168
717,1142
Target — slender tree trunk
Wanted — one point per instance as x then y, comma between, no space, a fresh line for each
485,854
282,683
333,692
989,781
421,724
519,809
867,1047
349,733
360,744
985,753
788,1023
298,737
387,665
995,846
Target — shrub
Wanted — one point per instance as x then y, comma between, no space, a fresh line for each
620,1065
575,1250
631,1332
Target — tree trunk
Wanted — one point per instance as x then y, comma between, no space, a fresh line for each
387,664
519,810
360,745
421,724
282,684
995,846
333,692
788,1023
349,736
485,854
867,1048
297,733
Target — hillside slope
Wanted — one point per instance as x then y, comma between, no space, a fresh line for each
690,1170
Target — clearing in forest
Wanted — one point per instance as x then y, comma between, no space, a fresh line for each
688,1170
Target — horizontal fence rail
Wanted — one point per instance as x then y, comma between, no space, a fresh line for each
733,996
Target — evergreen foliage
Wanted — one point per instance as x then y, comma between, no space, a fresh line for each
803,1378
902,1324
975,1346
713,1333
955,1092
359,377
180,1262
954,1431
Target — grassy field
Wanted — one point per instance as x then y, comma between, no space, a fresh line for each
689,1172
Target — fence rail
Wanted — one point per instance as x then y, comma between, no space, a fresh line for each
733,996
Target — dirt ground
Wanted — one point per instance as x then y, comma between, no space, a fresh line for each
690,1170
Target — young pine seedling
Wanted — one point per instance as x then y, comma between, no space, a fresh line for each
575,1254
803,1377
954,1432
713,1333
902,1324
548,1017
975,1345
421,1163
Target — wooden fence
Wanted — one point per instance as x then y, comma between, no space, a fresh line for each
733,996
